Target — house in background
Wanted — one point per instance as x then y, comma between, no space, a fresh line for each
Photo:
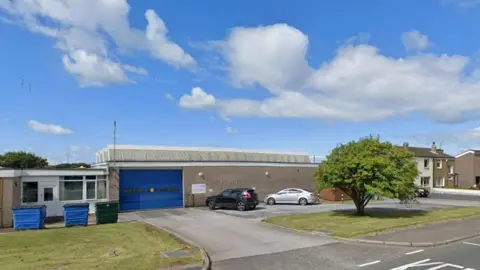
436,169
467,169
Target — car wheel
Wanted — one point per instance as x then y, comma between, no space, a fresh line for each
303,201
241,206
211,205
271,201
253,207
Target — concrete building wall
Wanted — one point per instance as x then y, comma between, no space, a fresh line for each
441,175
113,184
220,178
424,171
465,168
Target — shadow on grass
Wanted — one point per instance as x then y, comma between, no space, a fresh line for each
381,213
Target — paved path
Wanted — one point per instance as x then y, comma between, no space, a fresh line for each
436,232
226,237
463,255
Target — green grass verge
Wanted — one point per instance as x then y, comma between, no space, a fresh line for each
347,224
137,245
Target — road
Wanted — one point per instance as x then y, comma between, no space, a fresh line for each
334,256
455,197
461,255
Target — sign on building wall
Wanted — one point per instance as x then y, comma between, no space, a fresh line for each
199,188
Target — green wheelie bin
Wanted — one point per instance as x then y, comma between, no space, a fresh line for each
106,212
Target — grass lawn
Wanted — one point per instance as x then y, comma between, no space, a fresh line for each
138,246
347,224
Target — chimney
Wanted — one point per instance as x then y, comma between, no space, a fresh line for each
434,147
405,145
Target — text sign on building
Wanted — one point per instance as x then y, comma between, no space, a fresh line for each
199,188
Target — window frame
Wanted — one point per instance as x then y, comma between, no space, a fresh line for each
85,179
23,192
422,182
437,163
426,163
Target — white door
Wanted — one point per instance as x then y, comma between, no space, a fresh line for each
48,196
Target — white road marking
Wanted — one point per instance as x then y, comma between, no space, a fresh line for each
416,264
369,263
472,244
414,252
445,265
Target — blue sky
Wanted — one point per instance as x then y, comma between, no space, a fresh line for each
273,75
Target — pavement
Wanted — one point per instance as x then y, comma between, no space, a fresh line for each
226,237
461,255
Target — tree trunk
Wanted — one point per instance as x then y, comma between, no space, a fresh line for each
361,210
359,203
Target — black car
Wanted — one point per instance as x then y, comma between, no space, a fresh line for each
421,192
235,198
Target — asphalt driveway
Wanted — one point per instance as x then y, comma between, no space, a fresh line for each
227,237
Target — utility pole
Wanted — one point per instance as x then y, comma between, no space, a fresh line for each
114,145
68,155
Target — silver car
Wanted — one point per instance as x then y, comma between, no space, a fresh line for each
291,195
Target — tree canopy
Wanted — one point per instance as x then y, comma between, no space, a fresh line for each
368,167
71,165
22,160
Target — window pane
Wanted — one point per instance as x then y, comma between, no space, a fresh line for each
70,191
91,177
30,192
48,194
90,190
72,177
101,189
163,189
101,177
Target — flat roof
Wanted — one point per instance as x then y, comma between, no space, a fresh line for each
195,154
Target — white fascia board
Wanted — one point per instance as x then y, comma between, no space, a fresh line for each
9,173
64,172
465,153
135,164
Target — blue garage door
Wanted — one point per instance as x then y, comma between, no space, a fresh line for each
150,189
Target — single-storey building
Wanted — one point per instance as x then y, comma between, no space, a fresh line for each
142,178
50,187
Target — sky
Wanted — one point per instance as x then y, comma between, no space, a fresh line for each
296,76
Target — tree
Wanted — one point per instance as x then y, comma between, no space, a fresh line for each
368,167
71,165
22,160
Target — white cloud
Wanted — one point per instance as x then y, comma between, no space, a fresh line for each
169,96
93,70
163,48
231,130
225,118
198,99
414,40
48,128
136,70
93,27
357,84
